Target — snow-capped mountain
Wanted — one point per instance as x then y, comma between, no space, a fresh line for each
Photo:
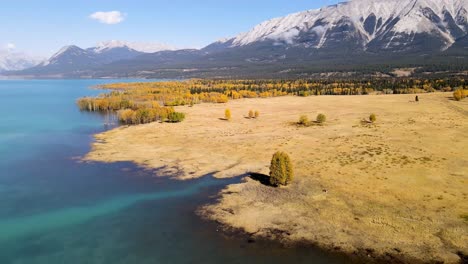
73,55
13,61
145,47
377,25
355,35
68,55
105,52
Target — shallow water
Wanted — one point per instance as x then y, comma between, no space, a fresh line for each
54,209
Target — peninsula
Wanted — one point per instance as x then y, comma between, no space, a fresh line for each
392,189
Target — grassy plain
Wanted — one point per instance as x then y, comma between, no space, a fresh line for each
394,189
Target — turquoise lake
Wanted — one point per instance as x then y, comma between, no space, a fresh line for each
54,209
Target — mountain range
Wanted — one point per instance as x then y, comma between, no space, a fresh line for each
358,35
15,61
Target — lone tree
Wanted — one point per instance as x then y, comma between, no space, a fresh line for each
227,114
372,118
417,98
321,118
281,170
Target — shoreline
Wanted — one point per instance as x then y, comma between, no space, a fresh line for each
386,186
245,238
361,255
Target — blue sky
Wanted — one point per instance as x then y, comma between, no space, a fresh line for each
43,27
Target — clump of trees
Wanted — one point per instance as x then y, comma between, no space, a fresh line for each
149,95
281,169
227,114
175,117
321,118
372,118
253,114
460,94
304,120
128,111
144,115
102,104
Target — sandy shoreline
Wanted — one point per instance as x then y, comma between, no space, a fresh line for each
396,189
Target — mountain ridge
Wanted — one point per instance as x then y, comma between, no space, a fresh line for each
11,61
370,18
354,33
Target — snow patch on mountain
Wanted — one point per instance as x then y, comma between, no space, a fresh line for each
11,60
223,40
70,49
283,28
105,52
63,50
145,47
400,17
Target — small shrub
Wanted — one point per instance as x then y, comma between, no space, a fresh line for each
256,114
303,120
125,116
251,114
142,116
457,95
460,94
227,114
372,118
281,170
175,117
417,98
321,118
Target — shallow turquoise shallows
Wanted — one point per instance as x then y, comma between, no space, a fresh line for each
54,209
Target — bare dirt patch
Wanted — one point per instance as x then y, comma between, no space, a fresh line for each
403,72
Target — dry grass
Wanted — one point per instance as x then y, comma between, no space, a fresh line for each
397,187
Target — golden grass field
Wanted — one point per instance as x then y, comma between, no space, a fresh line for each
395,189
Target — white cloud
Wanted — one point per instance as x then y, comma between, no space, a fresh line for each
319,30
110,18
10,46
287,36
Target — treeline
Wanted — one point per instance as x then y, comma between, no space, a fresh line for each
139,103
191,92
148,115
128,111
219,91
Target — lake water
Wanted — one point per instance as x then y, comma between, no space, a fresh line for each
54,209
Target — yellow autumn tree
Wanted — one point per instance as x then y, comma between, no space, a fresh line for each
281,169
227,114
